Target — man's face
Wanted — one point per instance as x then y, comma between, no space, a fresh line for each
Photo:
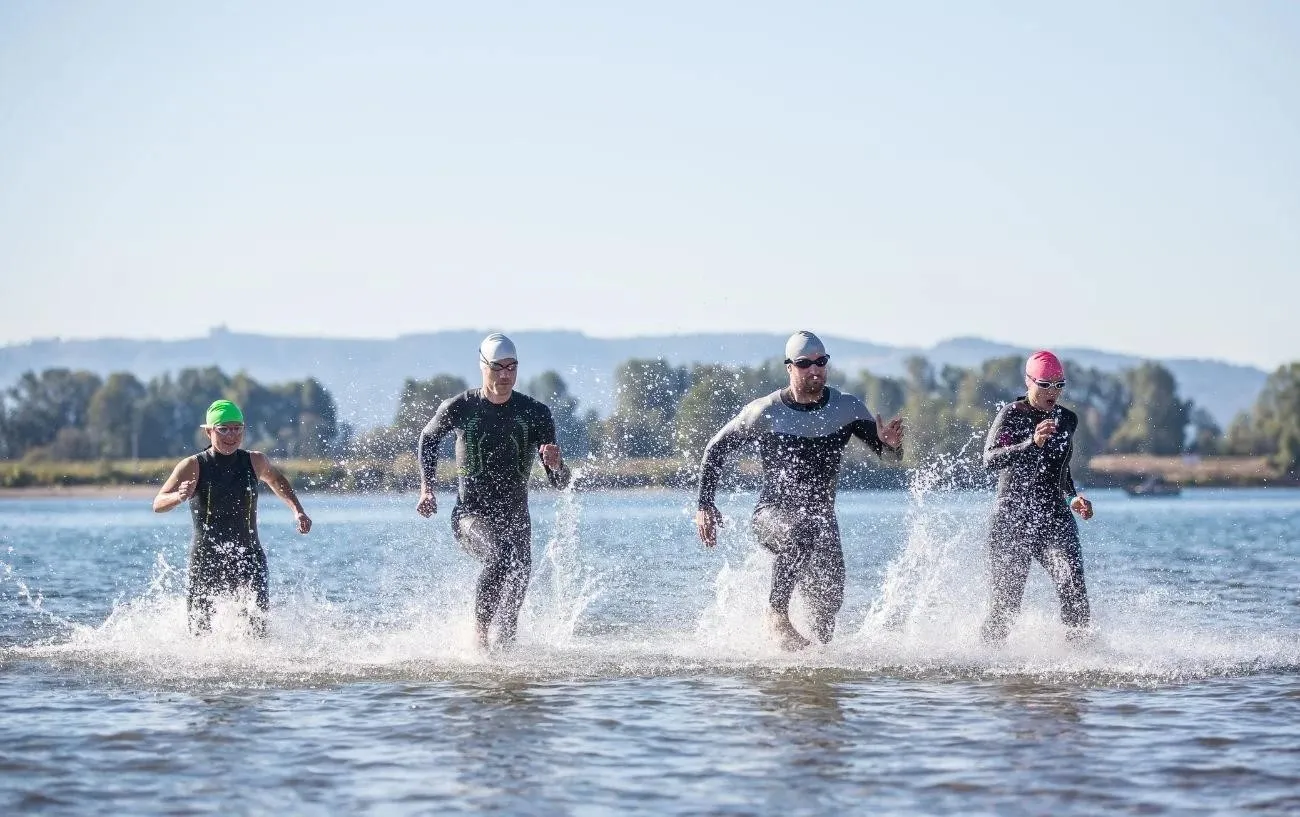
499,375
808,373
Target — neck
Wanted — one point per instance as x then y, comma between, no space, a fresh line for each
807,396
496,395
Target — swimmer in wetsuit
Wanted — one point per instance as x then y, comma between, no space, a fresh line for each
1029,444
800,432
499,431
220,483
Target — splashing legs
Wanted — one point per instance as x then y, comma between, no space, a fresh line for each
1009,568
807,552
505,548
1063,561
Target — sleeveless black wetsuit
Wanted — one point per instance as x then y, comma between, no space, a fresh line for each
1031,515
226,556
495,449
800,448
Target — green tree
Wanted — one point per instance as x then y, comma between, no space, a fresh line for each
1156,422
648,392
1207,437
570,431
174,408
885,396
114,417
317,420
41,405
715,395
1273,426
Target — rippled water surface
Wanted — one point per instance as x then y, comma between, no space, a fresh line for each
643,681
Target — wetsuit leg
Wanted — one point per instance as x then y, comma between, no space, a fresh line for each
1062,558
822,583
253,579
216,571
775,530
206,580
1009,558
505,548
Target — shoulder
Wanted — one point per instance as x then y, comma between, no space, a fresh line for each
528,403
1068,415
459,401
1015,407
848,404
761,407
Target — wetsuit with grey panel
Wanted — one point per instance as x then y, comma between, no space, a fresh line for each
800,448
1031,515
495,448
226,556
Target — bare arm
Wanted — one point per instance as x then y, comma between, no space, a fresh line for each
179,487
280,486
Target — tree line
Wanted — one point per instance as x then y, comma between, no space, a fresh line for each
660,410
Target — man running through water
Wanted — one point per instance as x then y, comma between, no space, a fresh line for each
220,483
1030,443
498,433
800,432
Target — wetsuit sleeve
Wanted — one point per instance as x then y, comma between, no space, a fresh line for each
867,431
1067,479
442,422
729,438
1001,449
559,477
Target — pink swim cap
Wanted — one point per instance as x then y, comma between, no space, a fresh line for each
1044,366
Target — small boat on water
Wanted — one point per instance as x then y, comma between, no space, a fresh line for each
1153,486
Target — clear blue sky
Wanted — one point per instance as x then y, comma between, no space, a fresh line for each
1121,175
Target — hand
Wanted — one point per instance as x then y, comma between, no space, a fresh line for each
706,525
427,506
550,456
185,490
1044,431
891,433
304,522
1082,507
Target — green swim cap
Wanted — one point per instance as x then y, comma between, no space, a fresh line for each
224,411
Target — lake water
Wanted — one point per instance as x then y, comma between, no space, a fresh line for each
643,681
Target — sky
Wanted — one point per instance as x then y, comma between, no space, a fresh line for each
1116,175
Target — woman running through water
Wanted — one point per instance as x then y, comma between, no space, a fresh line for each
220,483
1030,444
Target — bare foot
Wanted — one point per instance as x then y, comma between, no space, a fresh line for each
786,635
481,638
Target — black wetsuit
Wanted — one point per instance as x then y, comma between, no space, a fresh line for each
800,448
495,448
1031,516
226,556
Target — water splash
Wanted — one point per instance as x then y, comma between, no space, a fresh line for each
563,586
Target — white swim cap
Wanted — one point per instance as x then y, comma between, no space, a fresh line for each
804,344
497,346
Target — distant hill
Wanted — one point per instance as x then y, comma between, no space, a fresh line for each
366,375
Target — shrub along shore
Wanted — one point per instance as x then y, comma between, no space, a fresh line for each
401,474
